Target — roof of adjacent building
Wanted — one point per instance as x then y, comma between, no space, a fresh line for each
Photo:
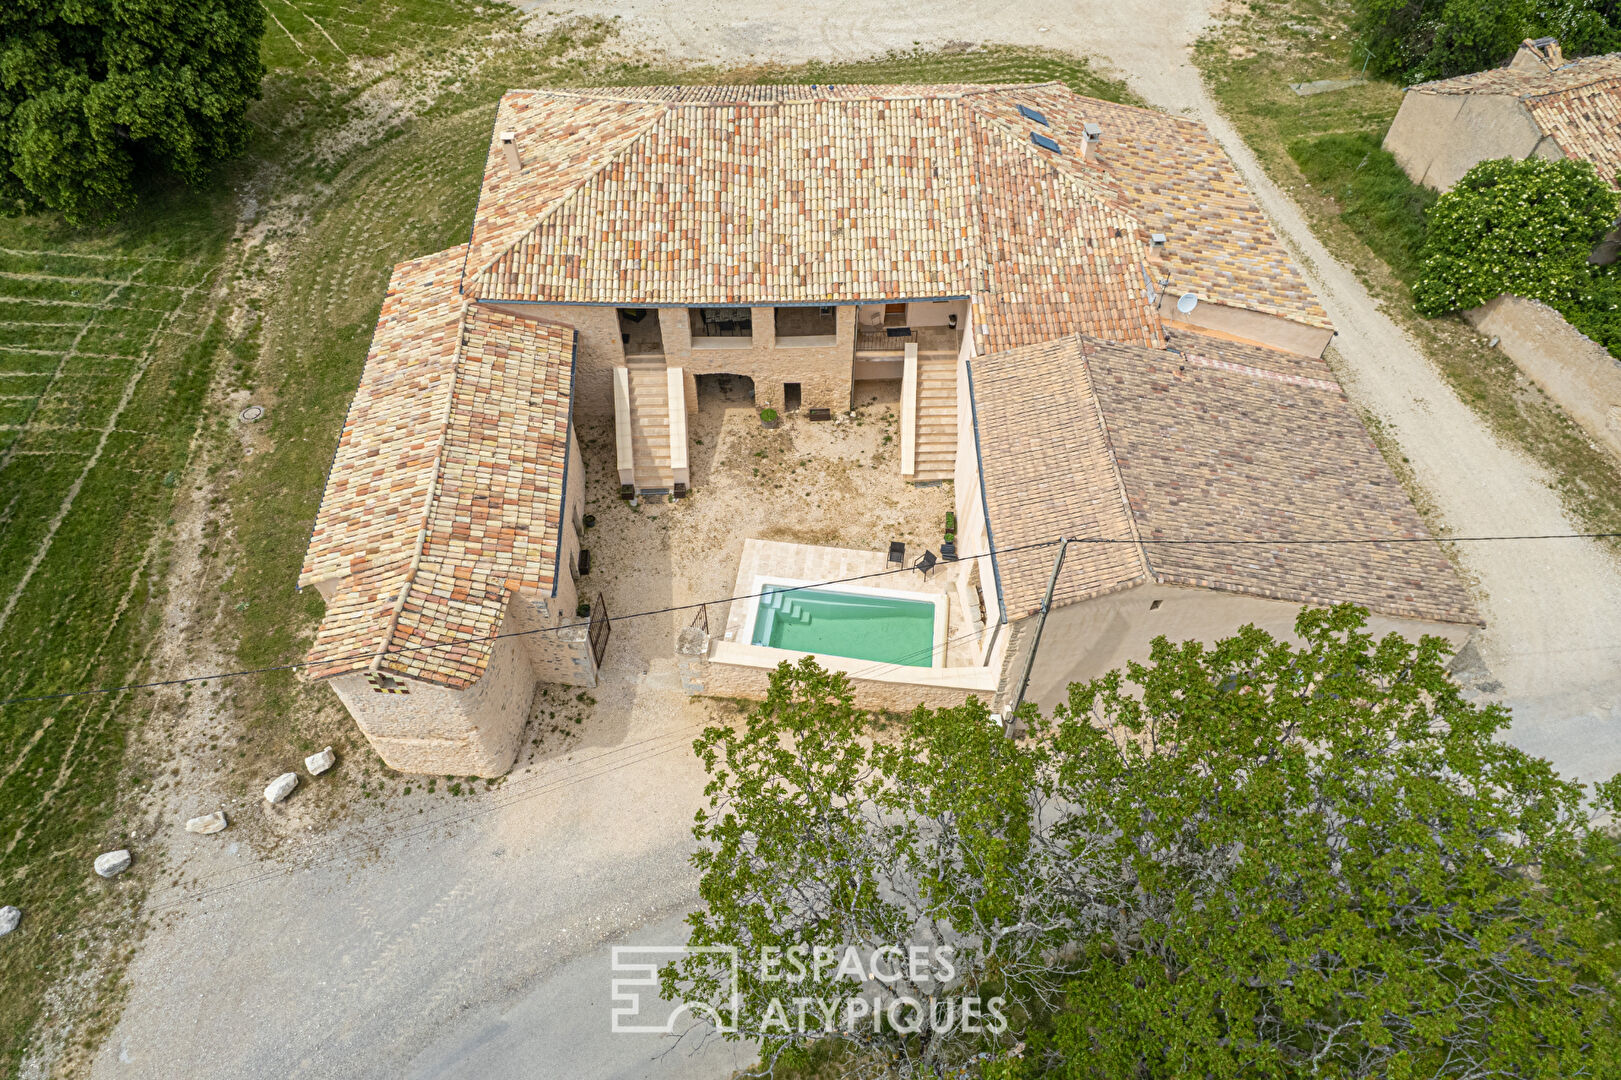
1577,103
1530,80
1139,450
445,494
732,195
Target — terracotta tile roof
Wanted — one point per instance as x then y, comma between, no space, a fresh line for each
1206,439
1586,123
1174,178
1055,256
563,139
445,496
388,451
1578,104
738,195
1529,81
1048,472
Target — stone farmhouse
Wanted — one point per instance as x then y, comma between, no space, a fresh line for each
1538,105
1094,332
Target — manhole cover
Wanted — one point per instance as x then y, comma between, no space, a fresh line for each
252,413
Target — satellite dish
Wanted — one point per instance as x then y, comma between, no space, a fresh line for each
1187,303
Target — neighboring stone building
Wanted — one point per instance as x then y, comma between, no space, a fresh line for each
1538,105
629,241
1142,456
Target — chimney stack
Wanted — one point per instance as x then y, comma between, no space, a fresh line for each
1091,136
509,143
1542,54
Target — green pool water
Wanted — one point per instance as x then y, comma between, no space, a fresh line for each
861,626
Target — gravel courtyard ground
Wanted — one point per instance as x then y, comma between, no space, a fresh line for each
479,946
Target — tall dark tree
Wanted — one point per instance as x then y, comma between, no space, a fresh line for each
95,92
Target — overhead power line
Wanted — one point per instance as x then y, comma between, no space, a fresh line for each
673,608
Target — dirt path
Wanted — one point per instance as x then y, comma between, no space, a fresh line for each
1552,608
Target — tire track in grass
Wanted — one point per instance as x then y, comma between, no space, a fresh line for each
56,375
107,430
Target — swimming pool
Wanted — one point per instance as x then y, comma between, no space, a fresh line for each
862,624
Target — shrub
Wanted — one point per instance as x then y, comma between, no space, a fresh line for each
1521,227
768,416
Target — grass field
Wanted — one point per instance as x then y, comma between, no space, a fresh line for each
367,151
1322,149
104,359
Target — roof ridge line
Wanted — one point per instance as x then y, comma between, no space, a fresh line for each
1612,77
574,190
1114,462
433,492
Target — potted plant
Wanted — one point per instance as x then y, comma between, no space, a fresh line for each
948,547
582,610
768,418
951,523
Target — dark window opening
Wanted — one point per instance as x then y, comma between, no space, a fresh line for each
640,332
790,397
722,322
1155,605
1045,143
806,322
1031,114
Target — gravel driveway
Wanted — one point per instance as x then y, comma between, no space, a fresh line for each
480,948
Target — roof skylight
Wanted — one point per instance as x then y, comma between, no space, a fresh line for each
1030,114
1045,143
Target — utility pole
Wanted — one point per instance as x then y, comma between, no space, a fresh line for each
1035,642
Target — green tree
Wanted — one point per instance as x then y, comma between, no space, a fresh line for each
1520,227
1419,40
94,93
1247,859
1331,867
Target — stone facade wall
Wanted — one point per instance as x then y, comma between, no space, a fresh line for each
1084,640
1436,138
737,681
434,730
823,372
1241,324
1575,371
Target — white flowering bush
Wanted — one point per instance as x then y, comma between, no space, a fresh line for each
1521,227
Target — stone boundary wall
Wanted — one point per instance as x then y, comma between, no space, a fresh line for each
702,676
1575,371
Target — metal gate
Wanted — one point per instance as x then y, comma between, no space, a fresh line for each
599,629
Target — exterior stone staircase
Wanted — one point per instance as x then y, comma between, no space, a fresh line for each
650,425
936,416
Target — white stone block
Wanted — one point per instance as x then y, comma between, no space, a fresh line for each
208,823
112,863
281,787
320,763
9,918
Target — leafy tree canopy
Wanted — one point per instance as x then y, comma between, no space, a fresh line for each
1251,859
1419,40
1521,227
94,92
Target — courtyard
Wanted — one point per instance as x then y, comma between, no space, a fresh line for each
820,484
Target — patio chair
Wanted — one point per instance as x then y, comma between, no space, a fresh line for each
926,563
897,553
